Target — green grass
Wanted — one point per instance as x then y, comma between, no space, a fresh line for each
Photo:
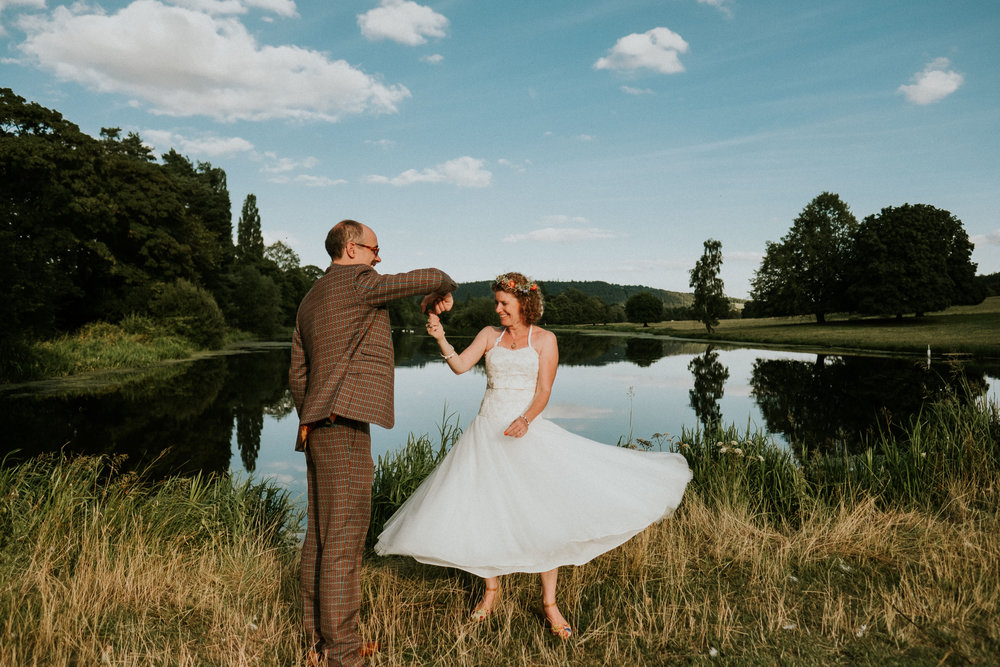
888,557
135,342
957,330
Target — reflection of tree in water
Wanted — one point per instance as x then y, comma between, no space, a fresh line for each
282,407
176,419
710,377
643,352
248,429
580,350
256,384
167,422
829,405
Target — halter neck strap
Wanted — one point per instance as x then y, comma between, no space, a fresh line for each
531,328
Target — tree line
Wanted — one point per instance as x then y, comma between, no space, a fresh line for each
97,229
913,258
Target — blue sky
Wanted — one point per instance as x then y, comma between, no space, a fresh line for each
571,140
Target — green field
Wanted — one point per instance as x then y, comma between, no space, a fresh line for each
958,330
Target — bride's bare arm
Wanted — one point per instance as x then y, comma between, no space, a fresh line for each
458,362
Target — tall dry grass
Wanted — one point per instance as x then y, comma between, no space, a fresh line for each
100,568
850,585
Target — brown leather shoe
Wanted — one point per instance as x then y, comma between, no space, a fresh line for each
369,649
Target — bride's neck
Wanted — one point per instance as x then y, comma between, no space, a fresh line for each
517,329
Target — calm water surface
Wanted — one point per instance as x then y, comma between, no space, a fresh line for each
234,413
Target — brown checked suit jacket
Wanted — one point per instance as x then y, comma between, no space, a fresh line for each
342,358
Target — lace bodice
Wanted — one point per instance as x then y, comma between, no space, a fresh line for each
510,380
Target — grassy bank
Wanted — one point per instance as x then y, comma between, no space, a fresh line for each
957,330
890,557
136,342
100,568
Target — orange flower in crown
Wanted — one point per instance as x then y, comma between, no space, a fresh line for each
518,285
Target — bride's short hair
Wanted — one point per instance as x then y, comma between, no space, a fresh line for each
528,295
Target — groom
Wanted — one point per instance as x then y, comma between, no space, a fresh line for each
341,378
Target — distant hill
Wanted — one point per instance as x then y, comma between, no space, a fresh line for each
607,292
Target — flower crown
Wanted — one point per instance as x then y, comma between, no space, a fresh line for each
509,283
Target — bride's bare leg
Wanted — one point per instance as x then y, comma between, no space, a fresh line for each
485,605
552,612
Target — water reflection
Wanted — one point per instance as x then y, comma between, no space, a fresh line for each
178,418
234,412
709,382
831,403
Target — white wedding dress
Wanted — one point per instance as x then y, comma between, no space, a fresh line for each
498,504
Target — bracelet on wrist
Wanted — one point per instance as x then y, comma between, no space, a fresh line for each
448,356
526,422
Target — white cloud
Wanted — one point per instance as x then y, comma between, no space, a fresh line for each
279,7
721,5
29,4
933,84
434,59
658,49
504,162
283,165
465,172
161,141
742,256
318,181
557,231
308,180
185,63
36,4
990,238
585,137
636,91
402,21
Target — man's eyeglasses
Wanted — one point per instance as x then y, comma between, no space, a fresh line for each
373,248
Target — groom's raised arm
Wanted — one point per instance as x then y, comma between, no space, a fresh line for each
380,289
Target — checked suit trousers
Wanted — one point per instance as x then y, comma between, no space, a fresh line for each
339,470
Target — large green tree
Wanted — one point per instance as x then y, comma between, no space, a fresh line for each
88,226
710,302
643,307
805,272
53,216
206,196
913,258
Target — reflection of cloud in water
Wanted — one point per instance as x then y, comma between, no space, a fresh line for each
281,478
571,411
294,465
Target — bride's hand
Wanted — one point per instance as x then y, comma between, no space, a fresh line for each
434,327
517,428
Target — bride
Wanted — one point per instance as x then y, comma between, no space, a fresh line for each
518,493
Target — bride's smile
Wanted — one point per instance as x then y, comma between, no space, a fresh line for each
508,309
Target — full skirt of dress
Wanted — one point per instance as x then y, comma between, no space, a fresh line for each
498,504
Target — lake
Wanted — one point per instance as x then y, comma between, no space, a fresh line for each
233,412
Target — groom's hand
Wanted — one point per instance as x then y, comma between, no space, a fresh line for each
436,303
